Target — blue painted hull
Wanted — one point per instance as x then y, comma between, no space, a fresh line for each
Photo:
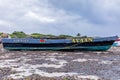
97,44
85,48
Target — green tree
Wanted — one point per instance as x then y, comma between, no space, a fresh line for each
18,34
37,35
65,36
1,33
78,35
13,36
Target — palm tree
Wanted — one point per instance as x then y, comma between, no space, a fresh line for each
78,35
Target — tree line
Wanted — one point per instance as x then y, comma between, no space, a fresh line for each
21,34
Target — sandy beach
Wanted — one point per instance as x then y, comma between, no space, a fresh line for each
58,65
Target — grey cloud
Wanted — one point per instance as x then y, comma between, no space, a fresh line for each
96,11
88,17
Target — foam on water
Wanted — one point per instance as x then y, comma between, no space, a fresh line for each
79,60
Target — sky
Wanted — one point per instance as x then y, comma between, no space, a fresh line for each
69,17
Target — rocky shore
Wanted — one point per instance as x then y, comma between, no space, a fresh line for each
56,65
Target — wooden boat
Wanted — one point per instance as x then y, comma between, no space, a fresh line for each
91,44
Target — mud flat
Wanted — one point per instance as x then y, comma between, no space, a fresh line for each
56,65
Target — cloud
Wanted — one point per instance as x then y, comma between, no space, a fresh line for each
4,23
88,17
40,18
99,17
96,11
5,26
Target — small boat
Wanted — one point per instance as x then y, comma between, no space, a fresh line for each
87,44
117,43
